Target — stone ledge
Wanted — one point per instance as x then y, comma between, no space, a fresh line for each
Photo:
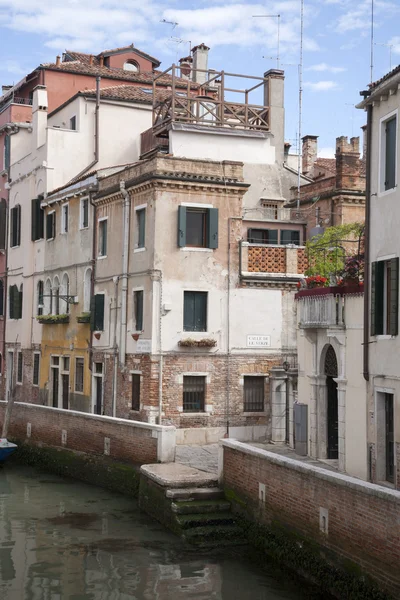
175,475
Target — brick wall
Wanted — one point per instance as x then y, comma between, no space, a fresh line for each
362,519
263,259
133,442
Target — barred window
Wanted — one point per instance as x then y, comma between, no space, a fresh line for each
79,364
135,391
253,391
194,391
36,367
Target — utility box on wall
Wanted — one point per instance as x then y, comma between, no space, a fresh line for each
300,428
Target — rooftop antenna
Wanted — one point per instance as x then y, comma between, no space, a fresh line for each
390,46
300,99
372,40
181,41
278,17
173,23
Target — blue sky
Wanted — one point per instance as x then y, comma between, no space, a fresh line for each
336,45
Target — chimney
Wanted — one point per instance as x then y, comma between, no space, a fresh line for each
186,67
91,60
309,153
286,149
39,115
5,88
101,61
200,61
364,146
58,60
274,99
348,164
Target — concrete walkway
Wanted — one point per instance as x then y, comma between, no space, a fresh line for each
204,458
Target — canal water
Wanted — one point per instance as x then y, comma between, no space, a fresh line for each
61,539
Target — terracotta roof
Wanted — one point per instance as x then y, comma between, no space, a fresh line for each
327,164
84,57
129,93
384,78
103,172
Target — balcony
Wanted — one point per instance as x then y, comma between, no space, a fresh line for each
272,262
324,307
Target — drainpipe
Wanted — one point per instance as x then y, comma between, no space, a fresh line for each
161,363
115,371
366,244
96,132
93,277
124,277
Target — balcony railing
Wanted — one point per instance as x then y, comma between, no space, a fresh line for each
321,311
278,260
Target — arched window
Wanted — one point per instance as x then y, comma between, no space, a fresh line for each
48,298
1,298
87,286
56,295
40,299
65,292
131,65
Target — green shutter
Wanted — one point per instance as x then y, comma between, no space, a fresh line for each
99,312
394,297
141,215
272,236
3,222
18,217
390,154
11,301
181,226
7,152
92,313
139,310
34,220
212,233
20,296
188,311
1,298
377,289
200,311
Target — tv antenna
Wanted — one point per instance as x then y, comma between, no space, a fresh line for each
390,46
181,41
173,23
372,40
278,17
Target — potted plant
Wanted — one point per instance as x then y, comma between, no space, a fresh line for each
316,281
53,319
192,343
83,318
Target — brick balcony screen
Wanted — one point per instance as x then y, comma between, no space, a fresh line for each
267,260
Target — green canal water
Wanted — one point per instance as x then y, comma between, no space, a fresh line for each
61,539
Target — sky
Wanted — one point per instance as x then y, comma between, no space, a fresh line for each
336,43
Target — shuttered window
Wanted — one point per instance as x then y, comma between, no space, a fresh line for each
1,298
79,366
15,302
385,297
141,227
290,236
253,394
262,236
84,213
7,152
135,391
138,309
194,391
50,225
97,312
19,367
103,237
37,220
15,223
390,153
3,223
197,227
36,368
195,311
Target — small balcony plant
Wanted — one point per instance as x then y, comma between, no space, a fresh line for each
83,317
53,319
192,343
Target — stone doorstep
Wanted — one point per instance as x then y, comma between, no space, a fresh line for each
213,493
175,475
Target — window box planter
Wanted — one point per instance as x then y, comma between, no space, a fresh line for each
191,343
53,319
83,318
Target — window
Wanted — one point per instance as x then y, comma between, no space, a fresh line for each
290,236
131,65
48,298
40,298
3,223
194,391
64,218
51,225
7,152
389,144
15,301
135,391
253,394
195,311
141,227
97,313
197,227
15,224
79,364
65,294
36,368
84,213
19,367
138,309
103,237
72,123
271,209
37,219
262,236
384,297
389,438
56,296
87,288
1,298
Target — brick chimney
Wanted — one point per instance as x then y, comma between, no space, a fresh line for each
101,61
274,99
91,60
39,115
309,153
58,61
348,164
364,146
200,61
6,88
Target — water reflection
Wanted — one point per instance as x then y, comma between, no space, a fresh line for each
60,539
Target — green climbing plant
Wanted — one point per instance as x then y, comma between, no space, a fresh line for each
327,253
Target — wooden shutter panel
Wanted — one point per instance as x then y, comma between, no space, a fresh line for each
53,230
272,236
92,313
390,154
99,312
212,233
373,298
20,296
34,220
200,311
394,297
188,311
18,218
7,152
377,284
11,301
181,226
3,222
1,298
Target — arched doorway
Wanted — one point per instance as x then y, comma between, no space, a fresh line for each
332,414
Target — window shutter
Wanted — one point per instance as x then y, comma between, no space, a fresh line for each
20,296
1,298
200,311
53,228
390,154
188,311
181,226
272,236
34,224
377,285
212,234
3,221
139,310
394,297
141,226
11,300
7,152
92,313
99,312
16,303
373,298
18,218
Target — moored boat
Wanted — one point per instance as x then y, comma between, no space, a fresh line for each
6,449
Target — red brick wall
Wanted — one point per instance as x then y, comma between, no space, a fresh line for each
363,519
85,433
264,259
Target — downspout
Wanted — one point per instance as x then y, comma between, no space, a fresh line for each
93,277
124,277
115,347
161,362
96,132
228,337
366,244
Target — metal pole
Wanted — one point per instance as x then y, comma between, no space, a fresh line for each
300,100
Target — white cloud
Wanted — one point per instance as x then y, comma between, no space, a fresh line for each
321,67
321,86
326,153
395,42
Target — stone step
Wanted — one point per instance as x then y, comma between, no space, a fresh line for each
216,519
195,493
187,507
210,535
